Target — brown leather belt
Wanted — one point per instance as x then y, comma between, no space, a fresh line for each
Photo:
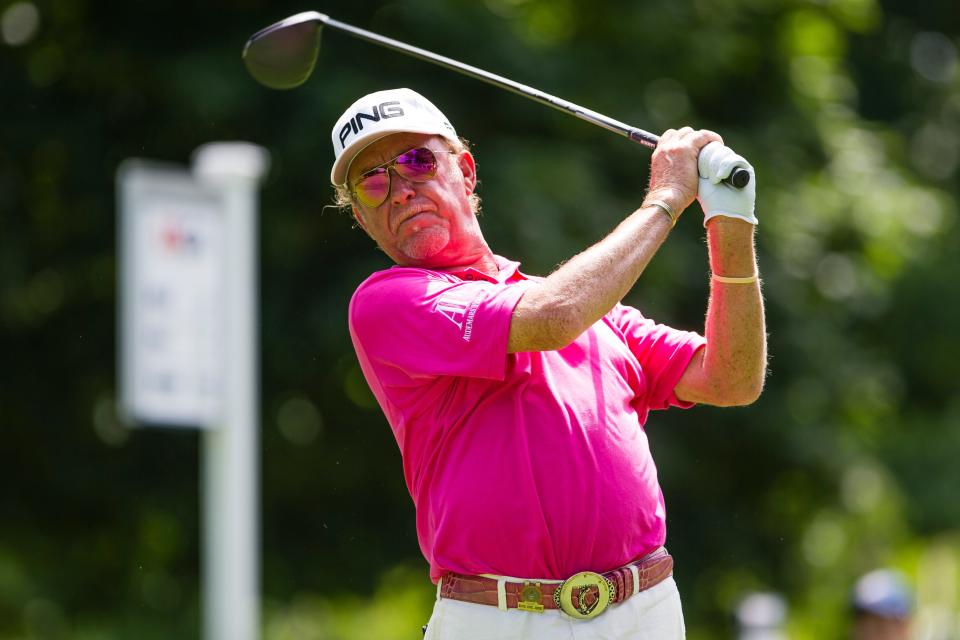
584,595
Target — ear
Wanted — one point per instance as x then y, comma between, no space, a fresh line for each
469,169
358,218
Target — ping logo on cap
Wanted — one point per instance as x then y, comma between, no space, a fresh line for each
354,125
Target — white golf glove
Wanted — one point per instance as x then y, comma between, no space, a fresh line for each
716,197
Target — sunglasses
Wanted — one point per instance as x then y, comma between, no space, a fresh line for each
416,165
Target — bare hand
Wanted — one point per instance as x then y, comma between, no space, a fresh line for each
674,177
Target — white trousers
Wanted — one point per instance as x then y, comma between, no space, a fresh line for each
654,614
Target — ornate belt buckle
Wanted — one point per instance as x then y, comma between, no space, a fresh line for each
585,595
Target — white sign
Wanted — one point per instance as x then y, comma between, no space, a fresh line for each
171,282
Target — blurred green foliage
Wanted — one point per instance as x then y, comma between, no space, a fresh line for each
850,111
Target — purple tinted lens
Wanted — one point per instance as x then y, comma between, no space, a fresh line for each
418,165
372,189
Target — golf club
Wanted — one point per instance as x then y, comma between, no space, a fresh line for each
283,55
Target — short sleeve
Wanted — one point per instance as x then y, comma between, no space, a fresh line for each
426,324
663,352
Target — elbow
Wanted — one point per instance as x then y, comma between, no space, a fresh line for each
743,394
745,398
734,392
732,400
734,382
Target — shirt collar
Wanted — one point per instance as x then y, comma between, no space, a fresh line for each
509,271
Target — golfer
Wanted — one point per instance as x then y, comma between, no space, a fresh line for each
519,402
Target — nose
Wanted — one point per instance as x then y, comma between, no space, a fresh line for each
401,189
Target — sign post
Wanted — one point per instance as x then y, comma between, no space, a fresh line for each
231,466
189,352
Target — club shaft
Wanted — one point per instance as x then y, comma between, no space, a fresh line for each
637,135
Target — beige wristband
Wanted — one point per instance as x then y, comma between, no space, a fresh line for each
733,280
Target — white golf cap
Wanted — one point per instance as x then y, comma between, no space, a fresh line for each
377,115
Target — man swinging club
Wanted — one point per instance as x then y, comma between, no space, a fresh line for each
519,402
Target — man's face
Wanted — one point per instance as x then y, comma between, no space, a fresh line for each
421,223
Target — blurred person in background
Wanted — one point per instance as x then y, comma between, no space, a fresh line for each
519,402
882,606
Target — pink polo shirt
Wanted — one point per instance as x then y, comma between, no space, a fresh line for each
532,465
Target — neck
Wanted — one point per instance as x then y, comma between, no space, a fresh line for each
482,261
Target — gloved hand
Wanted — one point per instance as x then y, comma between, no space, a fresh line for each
717,198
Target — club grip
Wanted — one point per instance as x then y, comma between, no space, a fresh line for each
739,178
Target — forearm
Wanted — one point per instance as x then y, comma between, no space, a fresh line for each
734,361
586,287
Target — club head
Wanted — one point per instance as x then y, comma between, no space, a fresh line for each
283,55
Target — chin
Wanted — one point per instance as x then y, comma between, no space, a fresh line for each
425,244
